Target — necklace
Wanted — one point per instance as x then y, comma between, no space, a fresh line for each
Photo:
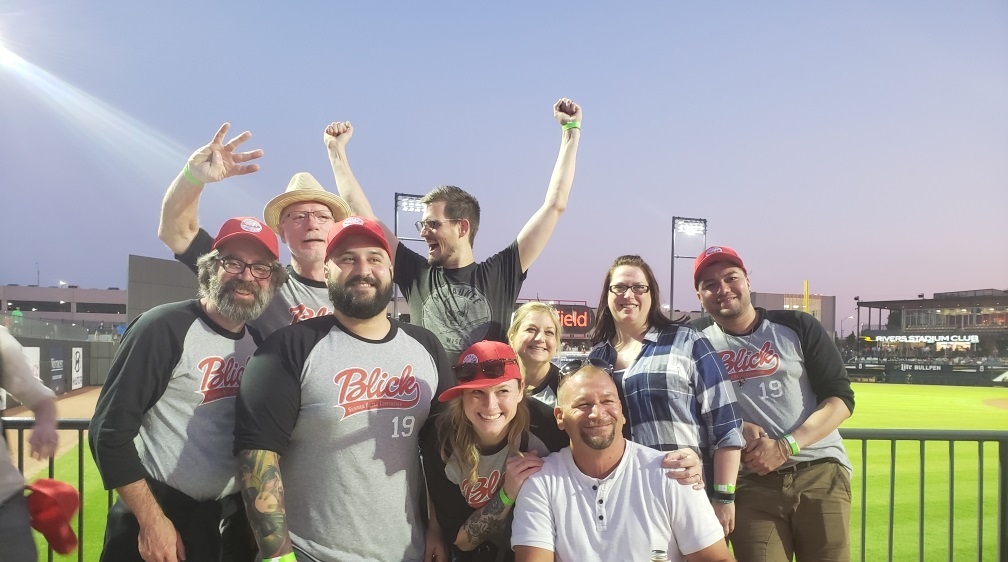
739,357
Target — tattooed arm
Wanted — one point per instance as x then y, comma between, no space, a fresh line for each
490,519
263,492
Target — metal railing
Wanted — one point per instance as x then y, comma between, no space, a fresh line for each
80,425
950,437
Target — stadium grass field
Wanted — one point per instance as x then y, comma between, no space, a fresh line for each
877,406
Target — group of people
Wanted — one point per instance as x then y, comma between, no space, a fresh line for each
283,415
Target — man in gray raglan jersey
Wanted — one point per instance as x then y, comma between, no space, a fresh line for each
301,216
329,415
793,496
162,429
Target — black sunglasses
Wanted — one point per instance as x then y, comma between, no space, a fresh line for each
571,367
493,369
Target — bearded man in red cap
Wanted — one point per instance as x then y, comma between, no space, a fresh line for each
162,430
327,425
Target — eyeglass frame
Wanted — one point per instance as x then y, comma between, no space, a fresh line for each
479,368
245,265
425,223
321,219
614,289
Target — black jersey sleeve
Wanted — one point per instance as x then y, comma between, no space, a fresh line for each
446,375
200,245
543,424
449,504
141,370
409,265
269,397
823,361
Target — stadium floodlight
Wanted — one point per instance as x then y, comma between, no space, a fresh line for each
687,227
405,203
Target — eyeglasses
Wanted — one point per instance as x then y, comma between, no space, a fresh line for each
432,224
573,366
493,369
237,267
322,217
638,289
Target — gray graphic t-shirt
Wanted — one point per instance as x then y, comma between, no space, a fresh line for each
465,305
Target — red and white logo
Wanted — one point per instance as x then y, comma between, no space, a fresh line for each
302,312
478,493
361,391
221,378
743,364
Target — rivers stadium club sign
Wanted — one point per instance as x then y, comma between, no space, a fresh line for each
971,338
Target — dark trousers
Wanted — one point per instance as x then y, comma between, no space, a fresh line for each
213,530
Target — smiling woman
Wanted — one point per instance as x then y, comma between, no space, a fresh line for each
482,450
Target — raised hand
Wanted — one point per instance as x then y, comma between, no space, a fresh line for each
337,135
218,160
565,111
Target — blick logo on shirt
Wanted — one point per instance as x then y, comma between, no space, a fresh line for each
302,312
478,493
221,378
743,364
361,391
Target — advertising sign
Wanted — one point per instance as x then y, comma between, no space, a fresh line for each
76,367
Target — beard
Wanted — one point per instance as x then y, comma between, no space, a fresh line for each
599,442
223,296
442,259
356,306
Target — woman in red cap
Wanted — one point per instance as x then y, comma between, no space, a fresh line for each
483,447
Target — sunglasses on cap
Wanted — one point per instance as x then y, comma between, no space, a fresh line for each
571,367
493,369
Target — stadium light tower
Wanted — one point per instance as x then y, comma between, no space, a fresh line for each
687,227
406,203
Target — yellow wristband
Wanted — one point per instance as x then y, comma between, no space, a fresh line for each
792,443
572,125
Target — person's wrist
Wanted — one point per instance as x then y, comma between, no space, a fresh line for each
504,498
188,175
571,125
792,444
289,557
722,497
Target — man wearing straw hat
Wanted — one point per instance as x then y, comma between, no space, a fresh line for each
302,216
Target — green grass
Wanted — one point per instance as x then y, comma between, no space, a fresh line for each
93,494
925,407
878,406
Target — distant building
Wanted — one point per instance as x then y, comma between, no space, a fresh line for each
973,323
94,309
821,306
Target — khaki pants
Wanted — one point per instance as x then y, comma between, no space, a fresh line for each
804,513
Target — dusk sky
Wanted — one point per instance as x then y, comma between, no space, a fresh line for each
862,146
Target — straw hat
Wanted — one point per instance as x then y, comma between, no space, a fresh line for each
303,187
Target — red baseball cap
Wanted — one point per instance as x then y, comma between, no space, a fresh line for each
251,228
484,352
52,505
715,254
357,225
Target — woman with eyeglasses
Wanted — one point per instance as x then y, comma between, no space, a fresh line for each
672,383
481,451
535,337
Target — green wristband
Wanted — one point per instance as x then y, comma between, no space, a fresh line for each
504,498
792,443
572,125
289,557
725,488
191,179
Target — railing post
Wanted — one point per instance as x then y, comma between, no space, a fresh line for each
1002,501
